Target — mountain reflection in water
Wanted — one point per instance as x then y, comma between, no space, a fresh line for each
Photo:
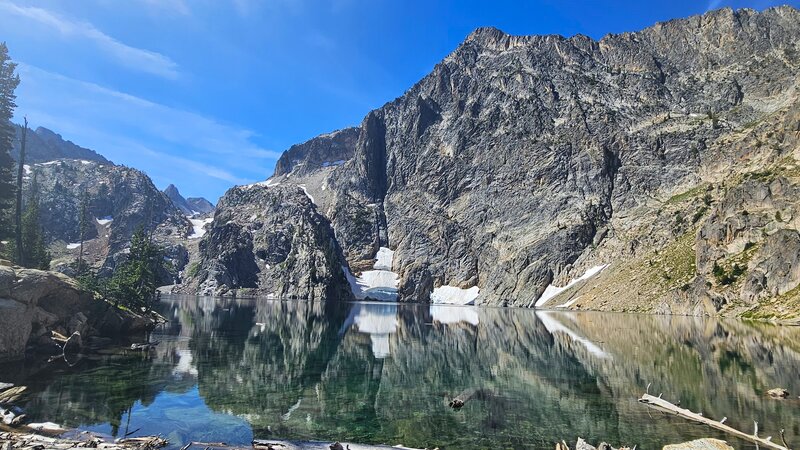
230,370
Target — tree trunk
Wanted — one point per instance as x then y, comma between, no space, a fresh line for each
18,217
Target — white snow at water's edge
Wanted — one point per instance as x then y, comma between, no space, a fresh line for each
104,220
199,227
378,284
454,295
569,303
553,326
551,291
73,245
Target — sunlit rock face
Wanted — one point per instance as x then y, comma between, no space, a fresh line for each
520,162
118,200
271,241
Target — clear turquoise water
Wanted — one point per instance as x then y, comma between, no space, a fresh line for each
231,370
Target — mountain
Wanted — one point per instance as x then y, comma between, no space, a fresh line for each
118,200
646,171
44,145
189,206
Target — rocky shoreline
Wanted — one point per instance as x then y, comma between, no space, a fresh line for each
37,305
10,440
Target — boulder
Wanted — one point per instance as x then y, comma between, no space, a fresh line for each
700,444
42,301
15,328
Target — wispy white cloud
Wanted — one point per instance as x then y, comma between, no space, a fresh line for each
201,154
131,57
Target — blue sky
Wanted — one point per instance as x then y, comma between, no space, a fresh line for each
205,94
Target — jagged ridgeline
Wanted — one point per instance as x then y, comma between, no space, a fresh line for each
656,169
117,200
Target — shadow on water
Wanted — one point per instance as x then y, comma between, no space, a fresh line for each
230,370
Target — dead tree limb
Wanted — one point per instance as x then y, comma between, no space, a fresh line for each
660,404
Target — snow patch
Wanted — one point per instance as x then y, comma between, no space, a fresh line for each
569,303
450,314
303,187
551,291
199,227
554,326
104,220
73,245
380,283
333,163
454,295
27,169
269,182
83,161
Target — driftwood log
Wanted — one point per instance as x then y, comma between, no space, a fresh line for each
36,441
278,444
662,405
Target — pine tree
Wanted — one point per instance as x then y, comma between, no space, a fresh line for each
9,81
18,207
135,281
34,252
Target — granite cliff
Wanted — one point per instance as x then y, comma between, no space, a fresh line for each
521,163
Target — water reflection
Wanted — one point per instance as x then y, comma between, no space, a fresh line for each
228,370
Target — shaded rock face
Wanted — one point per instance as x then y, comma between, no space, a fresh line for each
119,199
271,241
521,161
44,145
34,302
192,206
322,151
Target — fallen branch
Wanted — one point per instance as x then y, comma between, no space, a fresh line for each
660,404
145,346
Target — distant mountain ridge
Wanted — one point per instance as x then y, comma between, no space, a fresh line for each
43,145
119,200
190,206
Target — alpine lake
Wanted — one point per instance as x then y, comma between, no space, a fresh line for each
231,370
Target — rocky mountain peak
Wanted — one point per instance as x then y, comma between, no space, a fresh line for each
45,145
526,167
189,206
